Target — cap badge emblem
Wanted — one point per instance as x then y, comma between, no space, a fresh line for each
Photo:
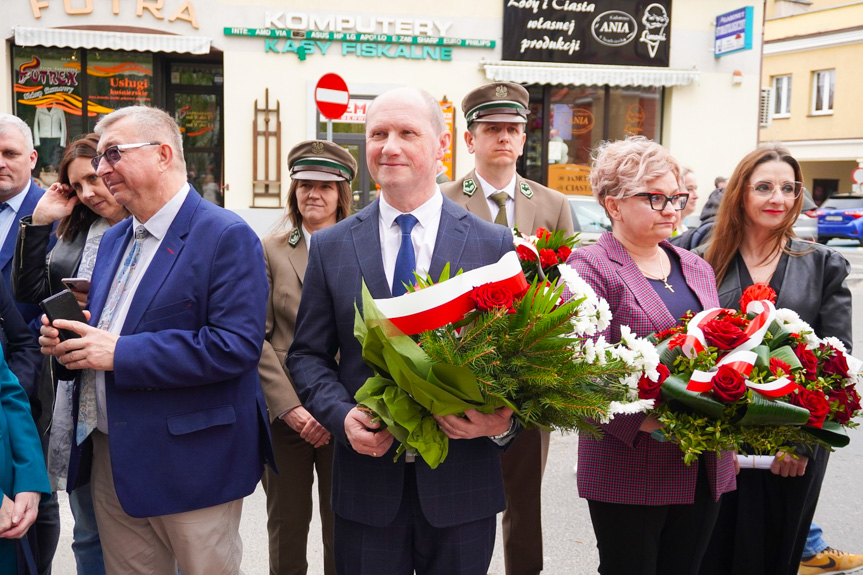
500,92
317,147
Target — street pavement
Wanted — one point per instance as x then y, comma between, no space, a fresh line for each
570,547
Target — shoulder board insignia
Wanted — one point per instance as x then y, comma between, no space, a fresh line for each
294,238
526,191
469,187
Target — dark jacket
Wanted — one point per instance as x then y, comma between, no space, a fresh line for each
36,273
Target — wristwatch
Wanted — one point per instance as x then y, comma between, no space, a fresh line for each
505,433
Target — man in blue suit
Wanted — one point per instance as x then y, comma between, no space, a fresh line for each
169,386
403,517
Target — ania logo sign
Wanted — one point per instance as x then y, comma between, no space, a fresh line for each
614,28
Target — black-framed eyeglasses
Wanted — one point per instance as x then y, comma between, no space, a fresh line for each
659,201
765,188
113,154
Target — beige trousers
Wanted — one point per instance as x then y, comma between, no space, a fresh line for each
203,542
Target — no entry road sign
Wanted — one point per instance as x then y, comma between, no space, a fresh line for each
331,96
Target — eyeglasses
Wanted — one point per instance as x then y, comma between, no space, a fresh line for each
766,189
659,201
113,154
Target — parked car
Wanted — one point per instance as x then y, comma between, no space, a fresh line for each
588,219
806,226
841,216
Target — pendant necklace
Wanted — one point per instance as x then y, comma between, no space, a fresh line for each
664,280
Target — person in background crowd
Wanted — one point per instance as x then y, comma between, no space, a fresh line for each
753,242
711,207
496,115
23,479
82,208
397,517
691,184
441,177
170,417
319,196
651,513
19,195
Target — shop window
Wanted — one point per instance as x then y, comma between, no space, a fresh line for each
578,118
822,91
47,85
782,96
119,79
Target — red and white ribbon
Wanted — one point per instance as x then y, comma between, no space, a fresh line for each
741,358
449,301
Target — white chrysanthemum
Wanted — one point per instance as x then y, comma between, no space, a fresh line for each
638,406
836,343
792,321
603,315
812,340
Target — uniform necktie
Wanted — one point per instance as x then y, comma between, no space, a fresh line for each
87,397
3,206
406,261
500,199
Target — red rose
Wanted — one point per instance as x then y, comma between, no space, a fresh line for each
649,389
542,233
808,359
728,384
548,258
757,292
848,403
489,297
525,253
563,252
779,367
835,364
723,334
815,402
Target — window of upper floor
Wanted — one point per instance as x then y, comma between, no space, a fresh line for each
782,96
823,82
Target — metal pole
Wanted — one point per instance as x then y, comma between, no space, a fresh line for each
329,130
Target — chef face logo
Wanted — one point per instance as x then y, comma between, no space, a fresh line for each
614,28
655,20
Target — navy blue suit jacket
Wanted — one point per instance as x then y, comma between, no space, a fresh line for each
186,416
34,193
468,485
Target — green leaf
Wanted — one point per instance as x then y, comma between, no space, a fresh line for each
764,411
762,353
831,433
786,354
779,333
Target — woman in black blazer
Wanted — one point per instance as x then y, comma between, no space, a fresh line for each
84,208
762,527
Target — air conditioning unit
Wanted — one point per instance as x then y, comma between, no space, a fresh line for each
765,108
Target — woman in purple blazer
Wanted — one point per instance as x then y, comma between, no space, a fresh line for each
651,513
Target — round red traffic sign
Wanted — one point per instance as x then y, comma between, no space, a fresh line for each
331,96
857,175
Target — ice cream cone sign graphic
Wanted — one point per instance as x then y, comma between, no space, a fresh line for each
655,20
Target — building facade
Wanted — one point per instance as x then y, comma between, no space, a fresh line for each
241,76
811,82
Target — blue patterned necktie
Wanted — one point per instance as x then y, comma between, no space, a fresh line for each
406,261
87,398
3,206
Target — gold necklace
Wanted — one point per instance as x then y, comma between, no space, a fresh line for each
664,280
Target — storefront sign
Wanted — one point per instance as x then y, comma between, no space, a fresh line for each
359,23
448,110
602,32
155,8
733,31
570,179
306,43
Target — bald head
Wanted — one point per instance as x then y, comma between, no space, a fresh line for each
420,98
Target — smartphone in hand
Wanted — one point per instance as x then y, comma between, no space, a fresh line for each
81,285
63,305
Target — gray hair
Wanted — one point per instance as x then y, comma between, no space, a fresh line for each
153,125
8,121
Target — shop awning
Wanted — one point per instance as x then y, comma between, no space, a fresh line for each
75,38
587,74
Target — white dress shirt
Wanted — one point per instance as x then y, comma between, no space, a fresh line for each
423,234
9,216
509,189
157,226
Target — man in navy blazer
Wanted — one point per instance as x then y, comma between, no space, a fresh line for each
181,433
397,517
